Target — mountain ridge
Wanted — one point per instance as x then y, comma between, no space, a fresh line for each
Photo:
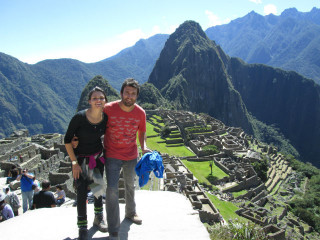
289,41
194,74
32,94
184,54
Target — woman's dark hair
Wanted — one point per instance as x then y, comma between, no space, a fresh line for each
97,89
131,82
59,186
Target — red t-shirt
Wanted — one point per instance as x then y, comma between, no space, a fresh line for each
120,140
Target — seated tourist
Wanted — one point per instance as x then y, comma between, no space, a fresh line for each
44,198
5,209
13,174
13,200
60,195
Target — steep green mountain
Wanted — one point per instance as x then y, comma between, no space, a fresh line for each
26,101
195,74
290,41
136,61
284,99
151,98
191,74
66,77
97,81
40,97
43,97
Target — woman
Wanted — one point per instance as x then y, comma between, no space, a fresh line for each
5,209
60,195
88,126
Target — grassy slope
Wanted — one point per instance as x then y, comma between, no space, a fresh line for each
201,170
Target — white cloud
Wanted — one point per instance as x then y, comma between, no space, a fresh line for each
270,8
99,50
155,30
171,29
93,51
256,1
111,46
213,19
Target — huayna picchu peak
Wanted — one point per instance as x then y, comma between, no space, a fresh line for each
193,73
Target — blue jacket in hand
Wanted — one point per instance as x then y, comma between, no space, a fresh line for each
151,161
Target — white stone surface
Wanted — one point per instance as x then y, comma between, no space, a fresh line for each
165,215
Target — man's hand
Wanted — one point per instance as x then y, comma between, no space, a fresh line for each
145,150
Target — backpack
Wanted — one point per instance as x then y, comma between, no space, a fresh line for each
14,201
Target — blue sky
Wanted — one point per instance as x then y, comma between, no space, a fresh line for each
92,30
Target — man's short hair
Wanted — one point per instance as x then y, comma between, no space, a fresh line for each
45,184
131,82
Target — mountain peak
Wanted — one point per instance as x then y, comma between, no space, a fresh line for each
189,28
191,74
290,12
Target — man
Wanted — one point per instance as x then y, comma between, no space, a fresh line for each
44,198
26,180
125,119
13,174
13,200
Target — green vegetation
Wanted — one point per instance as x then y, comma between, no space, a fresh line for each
202,171
261,168
307,205
210,149
237,194
100,82
226,209
158,144
271,134
198,129
276,188
150,97
151,131
237,230
165,131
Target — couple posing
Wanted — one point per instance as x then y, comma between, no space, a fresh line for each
119,122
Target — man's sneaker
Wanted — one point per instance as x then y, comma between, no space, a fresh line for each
114,236
135,219
83,234
99,223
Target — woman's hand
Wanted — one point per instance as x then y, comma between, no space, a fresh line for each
75,142
76,171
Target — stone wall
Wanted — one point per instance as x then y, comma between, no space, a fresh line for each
7,145
24,152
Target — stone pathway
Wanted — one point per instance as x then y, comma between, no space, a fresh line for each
165,215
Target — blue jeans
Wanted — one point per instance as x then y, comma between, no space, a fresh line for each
113,167
27,197
60,201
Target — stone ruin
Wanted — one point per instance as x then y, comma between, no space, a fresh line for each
177,178
235,159
45,156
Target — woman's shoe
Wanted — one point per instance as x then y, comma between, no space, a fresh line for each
83,234
100,223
